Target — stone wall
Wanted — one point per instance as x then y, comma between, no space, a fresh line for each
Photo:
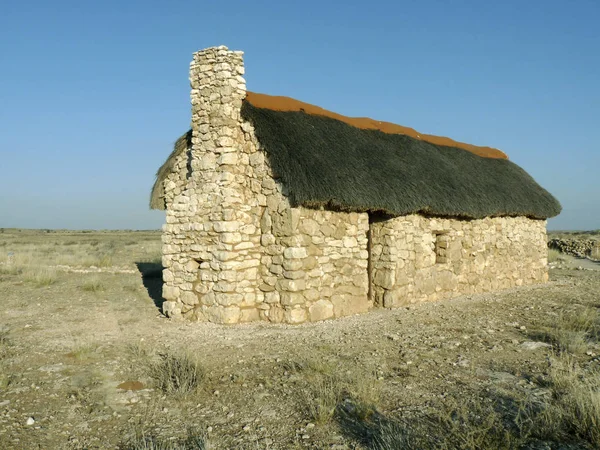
315,266
415,258
577,247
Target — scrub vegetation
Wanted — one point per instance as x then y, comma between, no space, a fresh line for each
88,361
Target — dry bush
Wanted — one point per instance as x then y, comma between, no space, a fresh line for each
554,255
148,440
457,424
179,374
572,331
5,376
573,412
40,276
93,285
324,384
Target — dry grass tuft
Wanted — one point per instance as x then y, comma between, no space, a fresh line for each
178,374
574,409
554,255
40,276
93,285
324,386
148,440
572,331
452,425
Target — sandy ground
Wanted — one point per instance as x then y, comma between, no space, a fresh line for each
69,342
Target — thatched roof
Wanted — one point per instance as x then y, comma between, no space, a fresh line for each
157,196
326,161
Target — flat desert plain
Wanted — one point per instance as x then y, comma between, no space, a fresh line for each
87,361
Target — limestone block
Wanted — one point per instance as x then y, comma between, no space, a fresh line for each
223,315
395,298
189,298
223,286
170,292
249,315
293,264
311,295
243,246
351,289
264,287
291,285
308,226
208,299
192,266
225,256
226,226
346,304
309,263
167,275
294,274
276,314
446,280
384,278
272,297
228,298
267,239
296,315
349,241
276,269
231,238
295,253
321,310
172,309
292,298
201,288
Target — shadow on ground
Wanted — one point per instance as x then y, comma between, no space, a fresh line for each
489,425
152,279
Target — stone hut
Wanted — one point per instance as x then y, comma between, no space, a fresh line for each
281,211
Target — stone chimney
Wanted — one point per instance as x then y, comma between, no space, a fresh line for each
214,237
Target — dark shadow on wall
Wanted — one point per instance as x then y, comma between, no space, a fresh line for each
152,279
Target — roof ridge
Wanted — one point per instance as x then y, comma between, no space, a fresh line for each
281,103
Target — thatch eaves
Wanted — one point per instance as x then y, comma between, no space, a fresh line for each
157,196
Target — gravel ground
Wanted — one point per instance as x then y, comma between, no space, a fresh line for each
73,352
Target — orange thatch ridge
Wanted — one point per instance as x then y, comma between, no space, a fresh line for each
278,103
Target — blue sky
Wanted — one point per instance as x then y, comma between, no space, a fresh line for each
93,94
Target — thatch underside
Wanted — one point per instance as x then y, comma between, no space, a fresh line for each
157,196
327,163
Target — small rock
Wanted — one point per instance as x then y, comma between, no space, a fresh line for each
131,386
530,345
30,421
